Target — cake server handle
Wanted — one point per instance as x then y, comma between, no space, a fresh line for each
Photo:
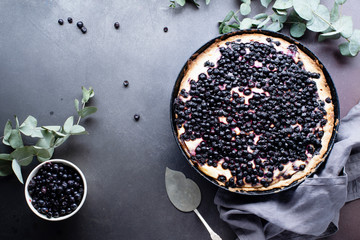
213,235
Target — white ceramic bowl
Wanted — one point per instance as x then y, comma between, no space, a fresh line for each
33,173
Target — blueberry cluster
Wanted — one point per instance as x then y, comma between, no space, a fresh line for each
56,190
272,109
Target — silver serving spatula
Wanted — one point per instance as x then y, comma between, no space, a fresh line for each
185,195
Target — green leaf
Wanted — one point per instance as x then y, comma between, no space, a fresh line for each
278,18
7,133
24,155
265,3
52,128
207,2
88,93
246,23
17,122
320,20
226,29
344,49
344,25
329,35
28,126
225,21
17,170
87,111
303,9
5,156
260,16
354,47
297,29
47,141
76,102
15,139
44,153
234,26
245,9
68,124
340,2
280,12
77,130
283,4
196,4
5,168
60,141
335,13
181,2
275,26
263,23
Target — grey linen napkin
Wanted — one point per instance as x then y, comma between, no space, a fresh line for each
308,211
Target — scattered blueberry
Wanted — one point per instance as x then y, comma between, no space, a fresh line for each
137,117
83,30
126,83
60,21
70,20
79,24
116,25
166,29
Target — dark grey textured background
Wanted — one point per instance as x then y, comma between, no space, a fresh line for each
42,68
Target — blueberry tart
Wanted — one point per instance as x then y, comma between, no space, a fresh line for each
254,113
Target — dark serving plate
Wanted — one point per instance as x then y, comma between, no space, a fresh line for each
270,34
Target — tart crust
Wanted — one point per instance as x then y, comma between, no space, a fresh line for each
212,54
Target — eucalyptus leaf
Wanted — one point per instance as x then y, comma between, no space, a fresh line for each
68,124
280,12
320,20
283,4
260,16
17,126
76,102
28,126
5,168
5,156
278,18
265,3
344,25
207,2
86,111
24,155
329,35
181,2
303,9
60,141
246,1
237,19
344,49
226,29
77,130
354,47
227,18
45,153
52,128
297,29
15,139
335,13
263,23
234,26
47,141
88,93
246,23
340,2
17,170
7,133
275,26
245,9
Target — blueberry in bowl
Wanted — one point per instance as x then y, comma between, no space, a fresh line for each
55,190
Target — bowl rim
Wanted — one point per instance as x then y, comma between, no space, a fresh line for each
329,81
34,172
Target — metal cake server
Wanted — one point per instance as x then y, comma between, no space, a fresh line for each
185,195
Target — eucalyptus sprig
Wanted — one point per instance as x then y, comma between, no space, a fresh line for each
49,138
174,3
301,15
